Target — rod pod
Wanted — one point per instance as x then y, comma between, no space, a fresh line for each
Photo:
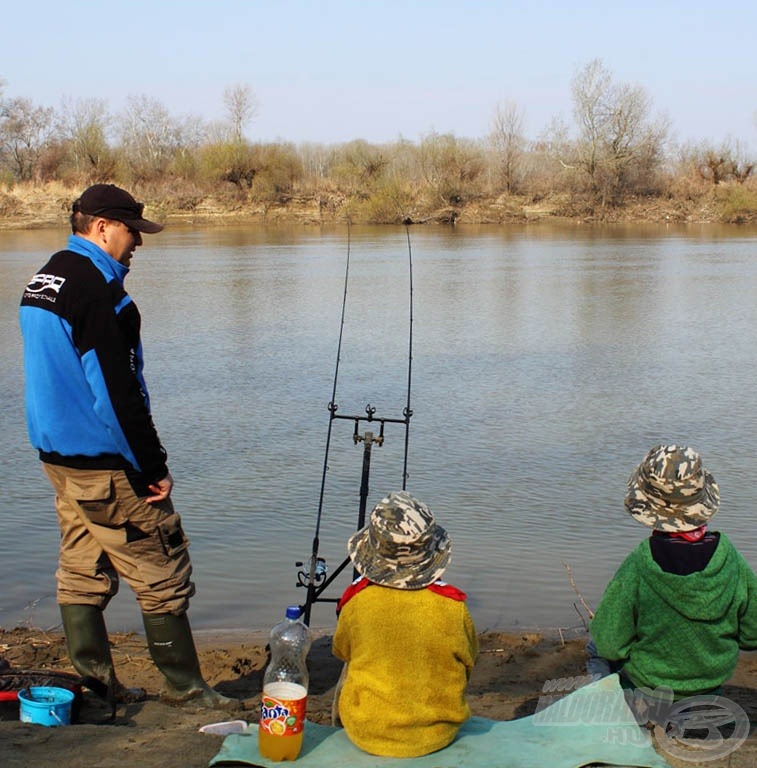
315,578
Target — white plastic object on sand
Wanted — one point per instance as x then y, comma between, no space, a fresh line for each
225,728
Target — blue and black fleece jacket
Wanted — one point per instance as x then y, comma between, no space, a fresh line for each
87,405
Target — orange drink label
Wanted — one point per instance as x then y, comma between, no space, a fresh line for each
282,716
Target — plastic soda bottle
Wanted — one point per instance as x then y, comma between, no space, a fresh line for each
285,689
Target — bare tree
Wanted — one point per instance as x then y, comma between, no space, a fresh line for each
241,107
25,131
150,136
450,167
83,125
728,161
743,162
618,146
591,93
357,164
315,160
508,142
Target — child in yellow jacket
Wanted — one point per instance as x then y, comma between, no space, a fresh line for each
407,638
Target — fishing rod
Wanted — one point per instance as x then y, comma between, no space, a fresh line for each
315,578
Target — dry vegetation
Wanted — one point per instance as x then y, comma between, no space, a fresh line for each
29,206
615,161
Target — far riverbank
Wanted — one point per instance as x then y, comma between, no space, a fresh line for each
48,205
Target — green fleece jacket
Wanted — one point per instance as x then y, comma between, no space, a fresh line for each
684,632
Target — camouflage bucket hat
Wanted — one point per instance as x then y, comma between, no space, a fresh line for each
402,546
671,491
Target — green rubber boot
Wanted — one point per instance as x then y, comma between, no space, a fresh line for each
89,651
169,639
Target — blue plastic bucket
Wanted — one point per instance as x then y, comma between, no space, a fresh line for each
45,705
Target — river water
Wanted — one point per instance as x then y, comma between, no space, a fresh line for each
546,361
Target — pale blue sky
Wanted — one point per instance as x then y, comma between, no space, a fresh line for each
332,71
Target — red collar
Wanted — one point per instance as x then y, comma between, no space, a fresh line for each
691,536
438,587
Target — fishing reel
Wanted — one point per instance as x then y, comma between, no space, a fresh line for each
319,572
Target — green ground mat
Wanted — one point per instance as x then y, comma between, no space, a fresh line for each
590,725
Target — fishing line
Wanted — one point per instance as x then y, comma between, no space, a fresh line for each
315,579
332,406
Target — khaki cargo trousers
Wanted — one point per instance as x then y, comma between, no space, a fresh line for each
108,531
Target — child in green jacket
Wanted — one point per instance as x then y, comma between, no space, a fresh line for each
684,601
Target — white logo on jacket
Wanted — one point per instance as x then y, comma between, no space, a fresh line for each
42,282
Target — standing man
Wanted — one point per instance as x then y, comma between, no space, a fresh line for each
88,414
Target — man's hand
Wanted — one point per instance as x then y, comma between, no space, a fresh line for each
161,489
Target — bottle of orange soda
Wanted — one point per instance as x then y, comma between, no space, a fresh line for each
285,689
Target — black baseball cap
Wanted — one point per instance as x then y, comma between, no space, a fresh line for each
112,202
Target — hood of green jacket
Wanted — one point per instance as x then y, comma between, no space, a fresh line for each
705,595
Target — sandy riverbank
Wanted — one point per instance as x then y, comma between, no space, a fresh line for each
506,683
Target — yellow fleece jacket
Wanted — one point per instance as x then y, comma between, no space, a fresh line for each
410,654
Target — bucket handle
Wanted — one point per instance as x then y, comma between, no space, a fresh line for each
54,714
